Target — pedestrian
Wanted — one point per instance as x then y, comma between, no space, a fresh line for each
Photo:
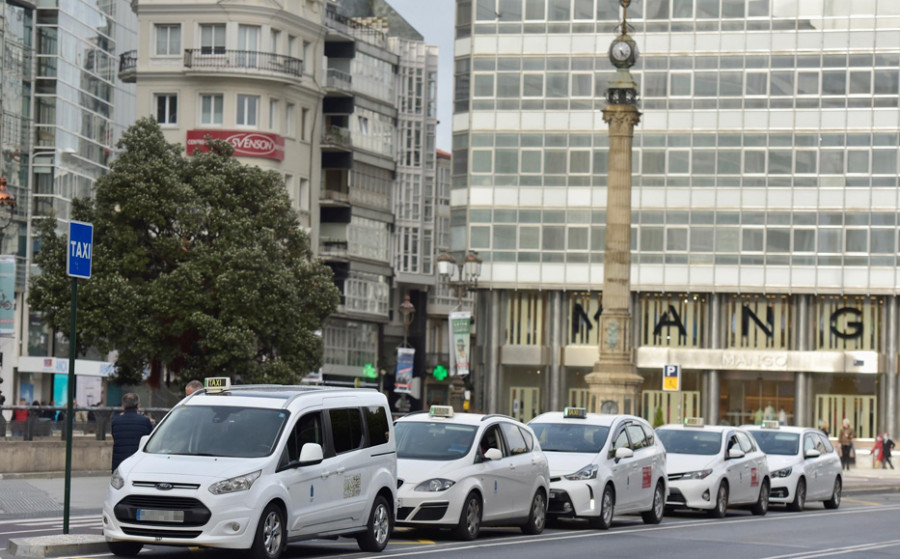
21,414
845,438
878,453
888,448
823,426
192,387
128,428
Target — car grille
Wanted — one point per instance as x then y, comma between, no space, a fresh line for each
157,533
195,512
173,485
676,497
403,512
431,512
675,477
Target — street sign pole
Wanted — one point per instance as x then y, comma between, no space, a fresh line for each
78,265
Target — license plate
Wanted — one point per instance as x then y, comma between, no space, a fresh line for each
154,515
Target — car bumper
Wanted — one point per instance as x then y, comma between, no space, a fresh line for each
426,508
574,498
783,489
692,493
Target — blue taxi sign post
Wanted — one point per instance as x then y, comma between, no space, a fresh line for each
671,378
79,251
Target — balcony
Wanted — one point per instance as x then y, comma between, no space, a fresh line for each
333,248
354,28
339,80
215,61
128,66
337,137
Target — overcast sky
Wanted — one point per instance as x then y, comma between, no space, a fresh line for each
434,20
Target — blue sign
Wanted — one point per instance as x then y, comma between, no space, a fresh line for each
672,377
81,245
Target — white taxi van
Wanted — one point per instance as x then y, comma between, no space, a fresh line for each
255,467
601,464
464,471
803,464
713,467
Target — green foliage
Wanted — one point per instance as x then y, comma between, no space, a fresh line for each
199,265
658,419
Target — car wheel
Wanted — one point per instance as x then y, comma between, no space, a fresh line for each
378,528
469,519
271,534
655,514
537,517
835,500
721,502
761,506
799,501
125,549
607,508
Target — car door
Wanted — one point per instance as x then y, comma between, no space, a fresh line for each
347,440
816,484
642,468
737,471
830,464
494,475
621,469
755,469
520,470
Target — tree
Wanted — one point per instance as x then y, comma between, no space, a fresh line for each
658,419
199,266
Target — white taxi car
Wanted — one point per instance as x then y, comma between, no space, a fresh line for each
465,471
803,464
602,463
712,467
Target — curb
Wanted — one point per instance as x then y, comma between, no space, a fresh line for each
55,475
56,546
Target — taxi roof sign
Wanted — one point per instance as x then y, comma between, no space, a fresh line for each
770,424
693,422
441,411
575,413
216,384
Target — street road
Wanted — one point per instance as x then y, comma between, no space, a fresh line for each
864,527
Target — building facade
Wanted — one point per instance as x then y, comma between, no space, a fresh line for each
764,206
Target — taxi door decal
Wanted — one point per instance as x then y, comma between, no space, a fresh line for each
754,477
352,485
646,477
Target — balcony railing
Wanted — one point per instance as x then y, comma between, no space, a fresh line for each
220,59
338,79
337,136
354,28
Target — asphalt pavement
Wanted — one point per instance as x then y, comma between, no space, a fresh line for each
33,496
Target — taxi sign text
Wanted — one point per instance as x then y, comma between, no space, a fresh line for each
217,384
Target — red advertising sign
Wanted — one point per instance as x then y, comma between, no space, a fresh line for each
246,143
646,477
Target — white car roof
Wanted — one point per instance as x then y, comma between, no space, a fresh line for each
271,396
711,428
781,428
476,419
603,419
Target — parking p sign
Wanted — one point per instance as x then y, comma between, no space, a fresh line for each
78,253
671,378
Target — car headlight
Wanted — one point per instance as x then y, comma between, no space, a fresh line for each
588,472
116,480
699,474
232,485
436,484
783,472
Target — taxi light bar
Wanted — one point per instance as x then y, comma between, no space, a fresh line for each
576,413
693,422
770,424
216,384
441,411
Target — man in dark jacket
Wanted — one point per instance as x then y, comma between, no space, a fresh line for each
128,428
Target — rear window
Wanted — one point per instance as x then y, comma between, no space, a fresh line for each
377,424
570,437
346,429
704,443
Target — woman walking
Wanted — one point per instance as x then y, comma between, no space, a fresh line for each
846,440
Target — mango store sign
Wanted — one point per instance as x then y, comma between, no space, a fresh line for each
246,144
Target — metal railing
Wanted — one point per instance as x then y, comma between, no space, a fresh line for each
337,136
338,79
354,28
220,59
128,61
42,422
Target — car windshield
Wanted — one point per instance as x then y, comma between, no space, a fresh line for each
570,437
422,440
781,443
218,431
690,441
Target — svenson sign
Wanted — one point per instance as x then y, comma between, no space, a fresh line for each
246,144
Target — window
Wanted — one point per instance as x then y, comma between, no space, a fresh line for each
621,441
491,439
167,108
307,430
211,109
307,54
288,119
514,439
377,425
637,436
247,110
212,38
273,114
168,40
304,115
274,39
292,45
346,429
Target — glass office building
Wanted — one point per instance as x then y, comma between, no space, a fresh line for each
765,202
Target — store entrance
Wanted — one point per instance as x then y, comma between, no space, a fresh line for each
749,397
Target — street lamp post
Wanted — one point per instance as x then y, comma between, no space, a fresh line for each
407,311
462,278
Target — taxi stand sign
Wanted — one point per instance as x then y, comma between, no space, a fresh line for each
575,413
441,411
671,378
78,253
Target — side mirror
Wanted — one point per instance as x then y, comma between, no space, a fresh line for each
310,454
143,442
624,452
812,453
493,454
735,453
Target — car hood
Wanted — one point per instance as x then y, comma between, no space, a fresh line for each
175,466
564,463
682,463
776,462
415,471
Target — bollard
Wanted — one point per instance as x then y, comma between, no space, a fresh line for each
2,426
28,430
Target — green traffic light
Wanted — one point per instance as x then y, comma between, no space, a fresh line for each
440,372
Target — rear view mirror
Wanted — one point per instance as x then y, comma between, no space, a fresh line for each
812,453
493,454
624,452
310,454
736,453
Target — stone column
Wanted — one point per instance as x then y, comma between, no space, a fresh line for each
891,424
614,383
714,386
556,344
493,368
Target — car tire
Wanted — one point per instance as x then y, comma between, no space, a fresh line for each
657,508
125,549
378,528
721,502
799,502
761,506
835,500
469,519
607,509
271,534
537,516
